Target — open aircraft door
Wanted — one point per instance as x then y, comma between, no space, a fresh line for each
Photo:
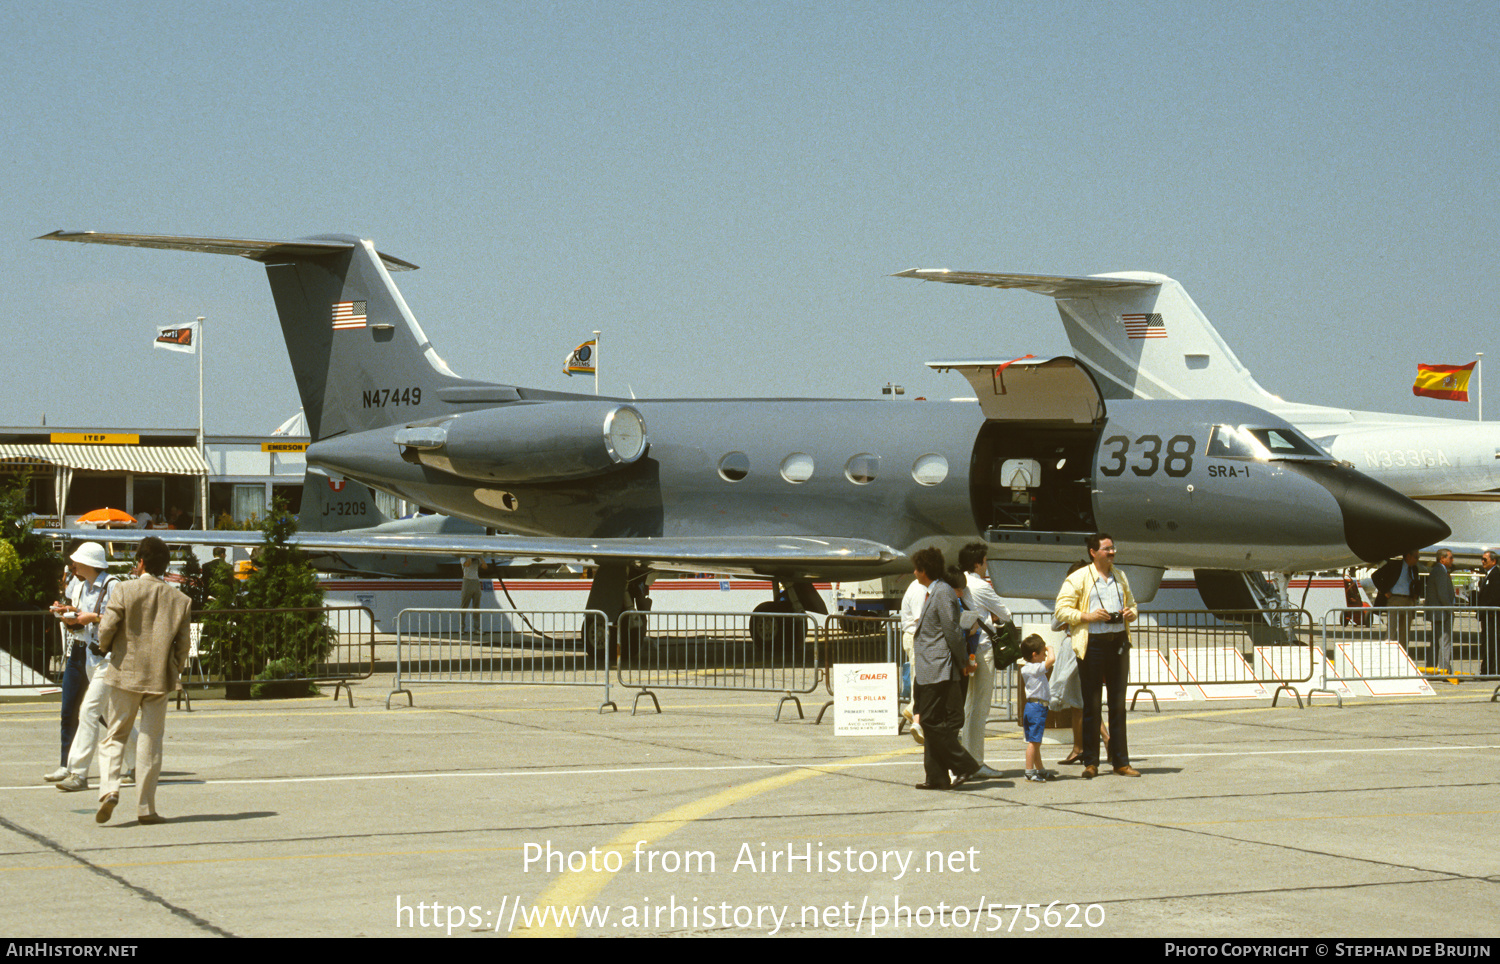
1032,474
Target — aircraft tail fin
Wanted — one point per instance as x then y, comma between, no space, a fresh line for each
333,505
1139,332
360,359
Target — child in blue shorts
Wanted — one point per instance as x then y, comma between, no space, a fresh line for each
1034,698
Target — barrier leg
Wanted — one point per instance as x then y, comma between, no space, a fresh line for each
800,714
1289,688
637,702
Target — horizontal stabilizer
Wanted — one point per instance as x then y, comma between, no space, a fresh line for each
1055,285
267,252
1137,331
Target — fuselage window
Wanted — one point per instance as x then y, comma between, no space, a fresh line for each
797,467
861,468
930,469
734,466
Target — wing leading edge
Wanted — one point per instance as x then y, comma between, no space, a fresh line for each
751,554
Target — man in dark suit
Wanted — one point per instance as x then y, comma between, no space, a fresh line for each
1487,594
1440,602
217,574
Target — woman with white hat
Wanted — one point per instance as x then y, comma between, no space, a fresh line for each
82,710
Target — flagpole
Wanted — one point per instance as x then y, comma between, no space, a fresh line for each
202,453
1479,381
596,362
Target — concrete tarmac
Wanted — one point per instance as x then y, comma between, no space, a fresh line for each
521,810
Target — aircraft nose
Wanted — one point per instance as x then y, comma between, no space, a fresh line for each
1379,522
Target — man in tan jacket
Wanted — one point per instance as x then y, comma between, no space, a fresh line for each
1096,605
145,635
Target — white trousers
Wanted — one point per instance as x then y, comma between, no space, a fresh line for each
90,731
121,707
977,699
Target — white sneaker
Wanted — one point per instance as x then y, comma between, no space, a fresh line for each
58,775
916,733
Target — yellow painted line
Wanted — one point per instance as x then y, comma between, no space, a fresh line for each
581,887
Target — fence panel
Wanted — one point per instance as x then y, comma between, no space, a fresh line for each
1235,654
757,652
1371,647
486,646
31,650
237,647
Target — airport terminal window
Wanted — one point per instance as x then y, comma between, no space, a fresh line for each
930,469
797,467
734,466
861,468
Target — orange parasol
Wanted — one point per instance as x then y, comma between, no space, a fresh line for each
107,518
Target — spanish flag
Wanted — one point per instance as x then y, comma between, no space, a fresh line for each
1444,381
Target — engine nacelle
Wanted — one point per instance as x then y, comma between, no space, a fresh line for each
542,442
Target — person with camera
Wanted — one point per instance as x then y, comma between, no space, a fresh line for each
88,592
1096,605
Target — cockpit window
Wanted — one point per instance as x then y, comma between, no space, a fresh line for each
1285,441
1248,442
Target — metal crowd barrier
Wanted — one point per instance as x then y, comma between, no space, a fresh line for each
31,650
1243,654
329,644
1239,653
754,652
513,647
1374,649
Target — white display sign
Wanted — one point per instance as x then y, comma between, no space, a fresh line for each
865,699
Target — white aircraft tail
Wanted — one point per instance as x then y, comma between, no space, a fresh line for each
1139,332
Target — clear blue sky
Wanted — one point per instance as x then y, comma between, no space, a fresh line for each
724,188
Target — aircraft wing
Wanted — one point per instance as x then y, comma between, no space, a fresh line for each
750,554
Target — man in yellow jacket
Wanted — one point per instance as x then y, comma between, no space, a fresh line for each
1096,605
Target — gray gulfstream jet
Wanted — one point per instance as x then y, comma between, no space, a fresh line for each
795,489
